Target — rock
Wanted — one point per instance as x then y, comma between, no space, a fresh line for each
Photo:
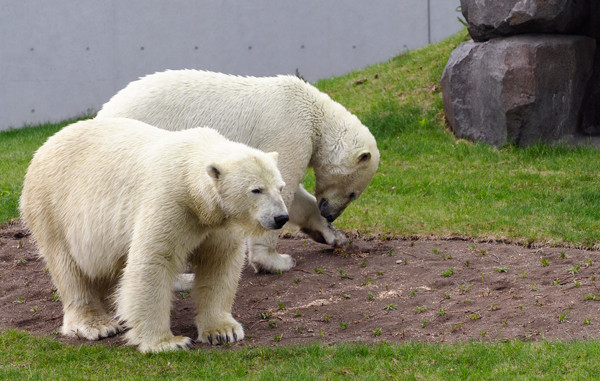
519,89
494,18
590,124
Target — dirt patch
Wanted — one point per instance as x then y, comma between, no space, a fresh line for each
374,290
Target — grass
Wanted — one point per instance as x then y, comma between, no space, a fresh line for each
428,183
40,358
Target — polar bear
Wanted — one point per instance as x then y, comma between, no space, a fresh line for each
117,208
284,114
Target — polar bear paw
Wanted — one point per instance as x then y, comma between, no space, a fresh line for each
92,330
273,263
329,235
226,332
171,344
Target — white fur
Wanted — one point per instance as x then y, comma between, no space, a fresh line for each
283,114
117,207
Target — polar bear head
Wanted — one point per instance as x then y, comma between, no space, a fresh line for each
249,188
346,166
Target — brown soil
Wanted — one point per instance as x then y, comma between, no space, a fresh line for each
374,290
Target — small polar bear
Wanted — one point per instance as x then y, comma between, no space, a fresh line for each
118,207
284,114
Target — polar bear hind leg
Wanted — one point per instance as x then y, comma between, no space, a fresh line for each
82,298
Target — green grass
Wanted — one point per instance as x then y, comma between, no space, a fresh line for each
40,358
428,183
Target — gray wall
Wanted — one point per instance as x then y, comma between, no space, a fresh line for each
61,58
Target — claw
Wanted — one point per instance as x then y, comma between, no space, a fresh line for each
210,339
228,339
235,337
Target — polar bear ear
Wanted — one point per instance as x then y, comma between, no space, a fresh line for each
274,155
364,157
214,171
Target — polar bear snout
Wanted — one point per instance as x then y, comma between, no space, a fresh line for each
280,220
328,211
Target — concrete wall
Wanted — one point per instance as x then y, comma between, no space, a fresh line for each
61,58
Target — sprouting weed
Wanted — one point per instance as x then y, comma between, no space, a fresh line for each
346,296
391,252
377,332
483,333
563,317
589,262
421,309
577,284
591,297
448,272
435,250
587,321
482,252
425,322
278,272
494,307
556,281
482,276
545,262
343,274
319,271
468,263
533,287
34,309
441,312
523,274
298,330
502,269
298,314
475,316
574,270
264,315
465,288
446,295
363,264
281,305
367,282
563,255
414,292
390,307
273,324
326,318
370,295
379,273
277,338
343,325
296,280
521,307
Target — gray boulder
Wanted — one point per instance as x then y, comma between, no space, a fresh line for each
590,124
494,18
519,89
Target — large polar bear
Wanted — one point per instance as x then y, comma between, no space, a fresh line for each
118,207
283,114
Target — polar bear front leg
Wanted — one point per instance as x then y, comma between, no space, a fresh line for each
217,269
264,258
305,213
144,302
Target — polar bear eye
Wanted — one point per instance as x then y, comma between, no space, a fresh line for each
257,191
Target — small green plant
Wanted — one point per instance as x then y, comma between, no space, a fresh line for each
576,283
379,273
346,296
475,316
591,297
367,282
563,255
377,332
370,295
296,280
390,307
391,252
421,309
184,294
521,307
574,270
298,330
589,262
468,263
282,306
319,270
55,297
425,322
435,250
273,324
446,295
414,292
464,288
563,317
556,281
448,272
501,269
363,264
545,262
533,287
523,274
482,276
494,307
343,274
441,312
326,318
264,315
343,325
19,300
278,272
587,321
298,314
277,338
482,252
